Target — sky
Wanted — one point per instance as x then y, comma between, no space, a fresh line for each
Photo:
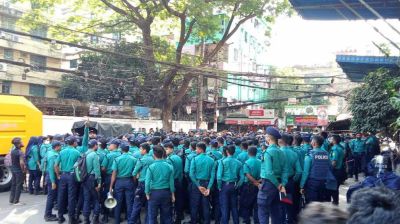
295,41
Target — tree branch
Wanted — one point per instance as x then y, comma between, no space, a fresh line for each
171,10
134,9
115,8
182,90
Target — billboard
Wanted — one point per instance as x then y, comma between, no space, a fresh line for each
318,111
261,113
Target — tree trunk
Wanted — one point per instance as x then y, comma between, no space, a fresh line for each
166,114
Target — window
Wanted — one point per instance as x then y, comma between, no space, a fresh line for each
8,23
39,62
73,63
235,54
5,87
8,54
37,90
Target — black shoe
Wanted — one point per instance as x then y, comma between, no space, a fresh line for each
36,192
72,220
96,219
61,219
50,218
86,220
77,219
104,219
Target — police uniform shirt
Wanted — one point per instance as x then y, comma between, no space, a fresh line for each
293,162
215,154
67,159
141,167
357,146
252,166
238,150
177,165
337,154
124,165
229,170
51,157
109,160
202,167
102,154
44,148
274,167
85,140
33,158
243,156
93,164
188,161
160,175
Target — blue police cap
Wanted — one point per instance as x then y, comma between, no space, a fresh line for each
124,146
58,137
71,140
213,141
132,139
306,137
114,141
273,132
55,143
92,143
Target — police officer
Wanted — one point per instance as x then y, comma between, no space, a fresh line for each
337,157
243,155
140,169
176,163
202,175
358,148
92,184
67,185
249,190
229,178
44,148
274,174
316,167
215,154
33,163
122,167
106,167
51,181
159,188
294,173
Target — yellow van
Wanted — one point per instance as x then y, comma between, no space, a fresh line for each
18,118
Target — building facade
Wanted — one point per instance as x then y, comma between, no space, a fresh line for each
27,81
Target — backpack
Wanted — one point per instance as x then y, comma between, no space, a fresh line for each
80,171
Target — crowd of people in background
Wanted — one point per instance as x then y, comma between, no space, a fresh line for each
262,176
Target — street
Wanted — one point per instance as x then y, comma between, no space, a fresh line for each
33,211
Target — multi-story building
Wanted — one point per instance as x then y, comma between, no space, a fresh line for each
19,80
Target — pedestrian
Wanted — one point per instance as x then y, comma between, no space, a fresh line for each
125,186
18,169
92,184
202,175
64,166
249,190
294,174
316,168
176,163
33,163
229,178
358,150
106,168
274,174
140,170
159,188
51,180
337,157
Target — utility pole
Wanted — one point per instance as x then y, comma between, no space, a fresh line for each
216,112
199,117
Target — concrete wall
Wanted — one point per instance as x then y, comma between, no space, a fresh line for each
61,125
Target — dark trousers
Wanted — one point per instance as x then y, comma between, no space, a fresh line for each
34,181
248,202
296,200
216,209
16,186
106,188
359,164
269,204
179,201
45,181
139,202
199,202
91,197
80,197
288,210
67,189
160,200
124,189
51,196
228,200
315,190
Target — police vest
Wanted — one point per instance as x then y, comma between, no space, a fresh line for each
320,165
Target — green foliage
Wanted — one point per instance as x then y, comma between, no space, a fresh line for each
370,105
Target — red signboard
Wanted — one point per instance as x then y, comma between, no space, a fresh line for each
231,121
256,113
306,120
249,122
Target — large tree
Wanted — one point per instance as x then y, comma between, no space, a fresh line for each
370,103
193,19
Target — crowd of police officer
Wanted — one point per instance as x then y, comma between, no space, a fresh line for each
210,176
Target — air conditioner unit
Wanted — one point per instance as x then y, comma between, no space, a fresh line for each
3,67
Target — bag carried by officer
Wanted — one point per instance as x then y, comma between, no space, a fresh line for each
80,172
